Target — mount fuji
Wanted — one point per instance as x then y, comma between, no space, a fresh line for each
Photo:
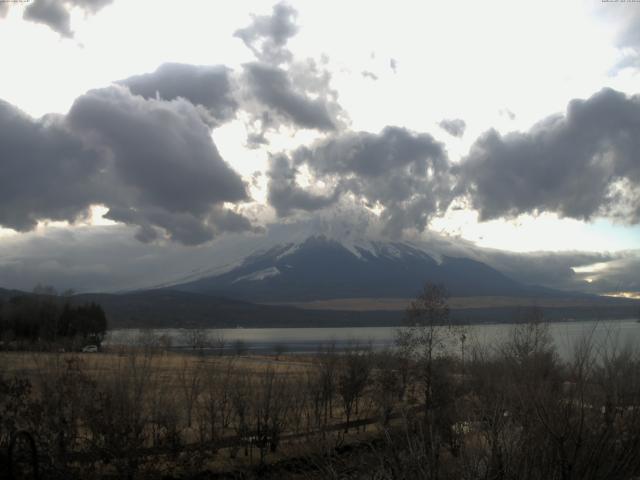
321,268
324,282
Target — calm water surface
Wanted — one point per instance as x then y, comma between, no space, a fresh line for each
620,333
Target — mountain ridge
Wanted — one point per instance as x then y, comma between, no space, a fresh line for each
321,268
164,308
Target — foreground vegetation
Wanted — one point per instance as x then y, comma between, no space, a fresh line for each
512,411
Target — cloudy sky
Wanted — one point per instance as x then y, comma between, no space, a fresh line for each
145,140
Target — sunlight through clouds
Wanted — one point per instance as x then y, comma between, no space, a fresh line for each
335,77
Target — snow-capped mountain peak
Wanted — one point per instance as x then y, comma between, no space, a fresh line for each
322,268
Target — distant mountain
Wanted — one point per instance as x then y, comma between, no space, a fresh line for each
174,309
165,308
335,283
322,268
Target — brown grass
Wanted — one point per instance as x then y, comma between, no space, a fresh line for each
400,304
166,365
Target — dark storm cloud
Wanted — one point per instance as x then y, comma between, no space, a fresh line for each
286,196
403,173
206,86
47,172
581,164
454,127
267,36
280,90
161,149
55,13
183,227
233,222
151,162
272,87
376,155
166,170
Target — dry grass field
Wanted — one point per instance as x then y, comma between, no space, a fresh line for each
166,364
513,412
126,410
400,304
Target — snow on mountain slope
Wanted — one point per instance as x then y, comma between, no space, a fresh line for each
259,275
323,268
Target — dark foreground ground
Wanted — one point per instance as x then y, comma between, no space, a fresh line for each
515,411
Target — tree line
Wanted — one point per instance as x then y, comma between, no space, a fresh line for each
46,318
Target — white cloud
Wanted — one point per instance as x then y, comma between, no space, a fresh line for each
471,61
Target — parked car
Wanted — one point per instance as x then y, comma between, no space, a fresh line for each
90,349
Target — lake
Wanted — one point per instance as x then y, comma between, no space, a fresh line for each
305,340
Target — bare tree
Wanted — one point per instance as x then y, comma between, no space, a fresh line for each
425,333
353,377
197,338
327,369
117,417
387,384
423,339
314,389
190,380
218,342
215,407
270,408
